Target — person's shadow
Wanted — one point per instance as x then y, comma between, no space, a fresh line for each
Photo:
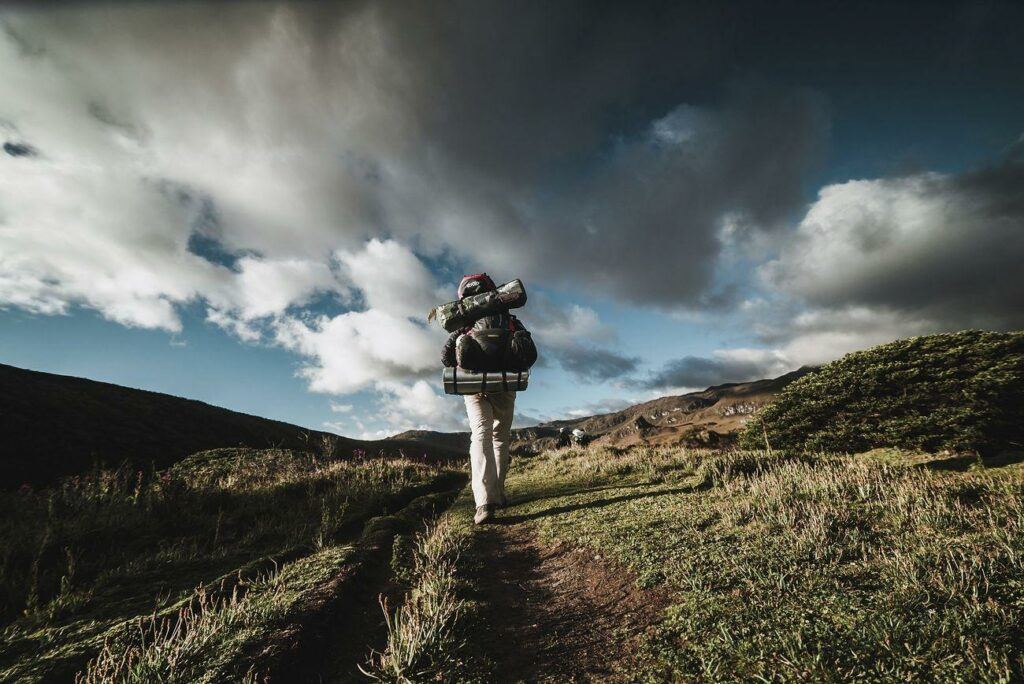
597,503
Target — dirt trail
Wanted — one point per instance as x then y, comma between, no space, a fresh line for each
554,613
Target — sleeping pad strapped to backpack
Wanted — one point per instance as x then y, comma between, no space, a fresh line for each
469,309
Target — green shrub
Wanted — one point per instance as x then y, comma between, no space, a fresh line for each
960,391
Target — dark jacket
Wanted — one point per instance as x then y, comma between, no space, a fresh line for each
448,351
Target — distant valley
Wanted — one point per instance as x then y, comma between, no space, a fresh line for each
711,417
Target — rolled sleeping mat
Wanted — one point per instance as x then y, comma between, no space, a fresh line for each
461,381
466,311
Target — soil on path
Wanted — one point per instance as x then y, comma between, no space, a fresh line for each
554,613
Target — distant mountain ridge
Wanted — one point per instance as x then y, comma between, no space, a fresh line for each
55,425
707,418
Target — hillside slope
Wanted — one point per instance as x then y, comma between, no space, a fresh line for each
55,425
707,418
224,563
960,391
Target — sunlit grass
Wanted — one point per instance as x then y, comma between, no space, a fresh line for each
808,568
422,641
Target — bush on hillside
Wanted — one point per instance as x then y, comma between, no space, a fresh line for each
960,391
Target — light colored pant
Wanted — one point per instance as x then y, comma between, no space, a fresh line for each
490,424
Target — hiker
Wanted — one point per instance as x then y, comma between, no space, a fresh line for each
490,413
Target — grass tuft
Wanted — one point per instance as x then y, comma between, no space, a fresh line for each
422,642
181,648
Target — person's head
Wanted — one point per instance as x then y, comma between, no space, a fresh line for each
475,284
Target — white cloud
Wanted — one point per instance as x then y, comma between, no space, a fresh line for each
102,214
564,326
264,288
594,408
335,427
935,247
877,260
245,330
392,279
818,336
70,234
864,231
269,287
386,347
355,350
419,406
772,361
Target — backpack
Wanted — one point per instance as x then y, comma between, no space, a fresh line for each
495,343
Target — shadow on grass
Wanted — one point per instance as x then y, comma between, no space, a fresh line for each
562,492
959,464
1004,459
597,503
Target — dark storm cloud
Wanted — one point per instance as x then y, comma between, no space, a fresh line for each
17,149
586,145
596,365
701,371
646,226
607,148
574,143
943,248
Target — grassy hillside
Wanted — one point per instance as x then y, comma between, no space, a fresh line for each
654,564
54,425
961,391
647,563
734,566
185,575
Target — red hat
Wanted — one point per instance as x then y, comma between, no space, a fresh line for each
475,284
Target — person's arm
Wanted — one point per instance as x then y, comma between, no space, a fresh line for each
448,352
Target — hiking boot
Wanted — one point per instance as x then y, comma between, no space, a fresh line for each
483,514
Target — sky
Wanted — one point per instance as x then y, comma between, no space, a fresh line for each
256,204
